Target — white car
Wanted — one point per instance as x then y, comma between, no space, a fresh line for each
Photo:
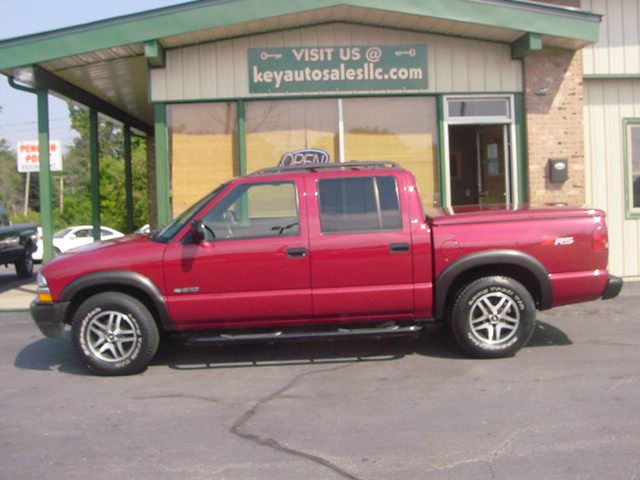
74,237
144,230
37,255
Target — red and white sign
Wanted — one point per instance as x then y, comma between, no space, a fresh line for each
29,156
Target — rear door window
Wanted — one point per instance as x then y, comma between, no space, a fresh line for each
359,204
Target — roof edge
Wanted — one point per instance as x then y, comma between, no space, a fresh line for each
523,15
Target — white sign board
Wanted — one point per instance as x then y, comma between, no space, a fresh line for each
29,156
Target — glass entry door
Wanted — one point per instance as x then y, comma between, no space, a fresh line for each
492,143
481,169
479,164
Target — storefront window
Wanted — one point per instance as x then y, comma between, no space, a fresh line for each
203,149
633,166
274,128
395,129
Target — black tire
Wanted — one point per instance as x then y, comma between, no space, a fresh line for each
114,334
24,266
56,251
493,317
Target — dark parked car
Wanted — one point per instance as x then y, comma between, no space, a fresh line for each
17,244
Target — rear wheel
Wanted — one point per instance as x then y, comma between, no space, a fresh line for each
24,266
493,317
114,334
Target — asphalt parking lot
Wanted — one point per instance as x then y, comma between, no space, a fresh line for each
566,407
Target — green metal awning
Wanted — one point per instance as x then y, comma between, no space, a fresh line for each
106,60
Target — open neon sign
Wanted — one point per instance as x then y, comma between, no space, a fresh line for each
304,156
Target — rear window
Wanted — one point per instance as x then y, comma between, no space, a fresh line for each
61,233
359,204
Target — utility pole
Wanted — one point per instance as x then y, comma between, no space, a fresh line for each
61,194
27,186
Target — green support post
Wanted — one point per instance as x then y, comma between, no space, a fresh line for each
46,209
95,172
162,164
128,178
442,178
241,139
521,143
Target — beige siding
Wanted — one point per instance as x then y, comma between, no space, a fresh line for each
617,51
219,69
607,103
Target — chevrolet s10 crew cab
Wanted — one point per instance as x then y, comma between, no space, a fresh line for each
323,251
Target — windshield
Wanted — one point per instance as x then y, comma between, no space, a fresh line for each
168,232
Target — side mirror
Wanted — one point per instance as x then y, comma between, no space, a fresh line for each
197,231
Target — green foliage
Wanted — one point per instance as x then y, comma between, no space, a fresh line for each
76,208
11,182
77,195
30,217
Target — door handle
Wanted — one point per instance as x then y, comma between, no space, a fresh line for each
399,247
296,252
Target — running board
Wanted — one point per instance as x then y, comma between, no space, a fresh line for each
284,336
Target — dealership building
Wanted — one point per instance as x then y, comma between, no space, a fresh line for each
493,102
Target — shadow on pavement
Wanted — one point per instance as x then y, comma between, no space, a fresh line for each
546,335
51,354
10,281
436,342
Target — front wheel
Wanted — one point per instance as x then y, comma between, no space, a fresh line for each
493,317
114,334
24,266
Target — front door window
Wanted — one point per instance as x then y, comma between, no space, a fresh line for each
254,211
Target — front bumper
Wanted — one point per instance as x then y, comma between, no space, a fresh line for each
614,285
49,317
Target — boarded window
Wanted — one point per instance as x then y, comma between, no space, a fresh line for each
203,149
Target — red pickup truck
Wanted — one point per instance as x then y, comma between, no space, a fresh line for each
323,251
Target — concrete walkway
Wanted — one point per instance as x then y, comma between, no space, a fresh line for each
15,293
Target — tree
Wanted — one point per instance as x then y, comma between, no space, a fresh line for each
11,186
77,180
10,179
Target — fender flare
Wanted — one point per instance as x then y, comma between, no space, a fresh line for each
488,258
124,278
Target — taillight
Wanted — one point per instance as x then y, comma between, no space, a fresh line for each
599,237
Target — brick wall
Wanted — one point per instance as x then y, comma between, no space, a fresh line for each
554,109
553,106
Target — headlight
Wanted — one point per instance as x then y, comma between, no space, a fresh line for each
42,282
44,295
10,241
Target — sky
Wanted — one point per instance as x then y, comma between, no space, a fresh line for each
18,118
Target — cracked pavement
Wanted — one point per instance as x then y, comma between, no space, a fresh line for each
411,408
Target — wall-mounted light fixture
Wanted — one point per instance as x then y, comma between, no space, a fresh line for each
25,75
